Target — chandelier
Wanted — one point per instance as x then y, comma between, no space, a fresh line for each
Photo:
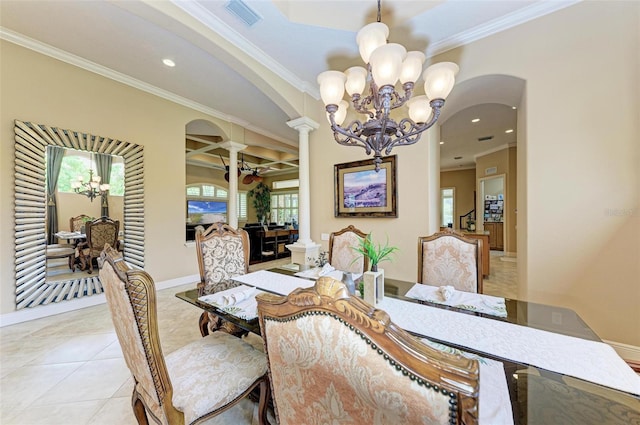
386,64
92,188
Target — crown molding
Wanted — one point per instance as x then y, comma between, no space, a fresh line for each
61,55
495,26
215,24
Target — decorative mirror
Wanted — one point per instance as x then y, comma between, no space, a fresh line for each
32,140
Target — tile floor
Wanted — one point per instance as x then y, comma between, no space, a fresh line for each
68,369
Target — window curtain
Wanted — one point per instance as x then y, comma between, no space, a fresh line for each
103,167
54,163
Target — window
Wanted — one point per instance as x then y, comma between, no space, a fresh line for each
78,163
284,207
447,200
211,193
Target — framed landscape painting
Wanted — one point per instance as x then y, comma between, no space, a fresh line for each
360,191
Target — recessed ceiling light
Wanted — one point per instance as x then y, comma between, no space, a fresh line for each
169,62
442,143
475,120
509,131
513,107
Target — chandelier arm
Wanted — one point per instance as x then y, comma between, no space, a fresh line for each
352,133
401,100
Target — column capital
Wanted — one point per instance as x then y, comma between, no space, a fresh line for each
305,124
233,146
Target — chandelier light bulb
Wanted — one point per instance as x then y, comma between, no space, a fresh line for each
412,67
439,79
331,86
386,63
419,109
341,113
356,80
370,37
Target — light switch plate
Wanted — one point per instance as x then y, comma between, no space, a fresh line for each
324,236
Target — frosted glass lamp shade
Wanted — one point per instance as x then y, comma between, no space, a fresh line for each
104,187
341,113
386,63
356,80
419,109
439,79
370,37
412,67
331,86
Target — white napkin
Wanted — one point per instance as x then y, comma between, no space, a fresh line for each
230,296
326,270
446,292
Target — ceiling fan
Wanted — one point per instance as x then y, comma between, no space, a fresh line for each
254,173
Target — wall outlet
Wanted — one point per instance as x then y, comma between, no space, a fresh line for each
324,236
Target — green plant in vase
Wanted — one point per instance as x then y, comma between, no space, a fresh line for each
375,252
261,195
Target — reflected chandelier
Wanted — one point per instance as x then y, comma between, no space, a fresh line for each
92,188
386,64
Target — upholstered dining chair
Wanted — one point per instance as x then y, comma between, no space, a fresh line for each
447,258
342,256
76,223
100,232
374,372
190,385
223,253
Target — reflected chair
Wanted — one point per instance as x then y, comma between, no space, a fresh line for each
193,383
223,253
76,223
67,251
342,256
449,258
374,372
100,232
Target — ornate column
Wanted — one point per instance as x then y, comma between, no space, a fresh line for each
304,247
232,205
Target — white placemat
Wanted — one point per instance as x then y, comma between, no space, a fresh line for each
274,282
494,404
480,303
589,360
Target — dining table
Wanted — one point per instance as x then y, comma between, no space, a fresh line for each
539,364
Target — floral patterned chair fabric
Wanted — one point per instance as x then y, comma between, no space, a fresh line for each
223,253
100,232
341,254
76,223
448,258
191,384
335,359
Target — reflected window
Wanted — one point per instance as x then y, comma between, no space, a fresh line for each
78,163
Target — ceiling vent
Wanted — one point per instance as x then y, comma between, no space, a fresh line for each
244,12
485,138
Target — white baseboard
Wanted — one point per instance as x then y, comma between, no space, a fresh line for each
627,352
39,312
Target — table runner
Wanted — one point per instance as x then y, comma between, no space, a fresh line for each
479,303
589,360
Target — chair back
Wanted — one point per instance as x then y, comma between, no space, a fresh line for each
449,258
342,256
101,232
223,252
76,223
331,354
131,298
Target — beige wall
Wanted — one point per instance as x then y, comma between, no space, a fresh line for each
464,181
580,232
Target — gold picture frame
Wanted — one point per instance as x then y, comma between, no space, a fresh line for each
360,191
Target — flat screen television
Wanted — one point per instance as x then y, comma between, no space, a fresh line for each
206,211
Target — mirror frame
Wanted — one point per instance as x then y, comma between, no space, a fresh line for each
31,141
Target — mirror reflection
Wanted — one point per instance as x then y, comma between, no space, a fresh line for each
88,186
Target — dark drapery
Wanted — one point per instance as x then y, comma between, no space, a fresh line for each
103,167
54,163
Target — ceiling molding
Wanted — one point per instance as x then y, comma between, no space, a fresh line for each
61,55
521,16
215,24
